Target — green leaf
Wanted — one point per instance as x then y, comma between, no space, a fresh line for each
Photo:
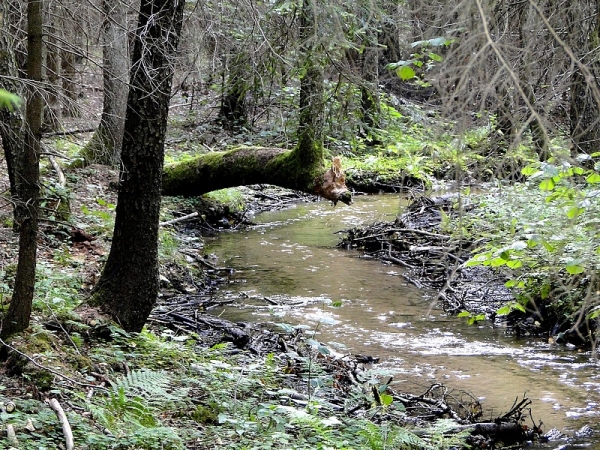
386,399
574,268
405,73
514,264
474,262
575,211
545,291
547,185
529,171
497,262
511,283
593,178
548,246
464,314
504,310
435,57
518,306
594,314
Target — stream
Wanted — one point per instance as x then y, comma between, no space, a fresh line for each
290,258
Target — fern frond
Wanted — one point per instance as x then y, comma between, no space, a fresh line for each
148,384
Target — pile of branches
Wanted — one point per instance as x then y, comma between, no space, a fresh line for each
432,258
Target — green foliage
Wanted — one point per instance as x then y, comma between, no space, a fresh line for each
130,410
421,61
230,197
101,216
57,291
9,101
167,243
471,318
542,231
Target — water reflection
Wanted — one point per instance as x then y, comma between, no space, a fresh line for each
289,258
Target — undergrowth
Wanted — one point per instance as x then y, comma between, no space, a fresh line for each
165,391
543,236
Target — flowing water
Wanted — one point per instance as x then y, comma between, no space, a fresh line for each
290,258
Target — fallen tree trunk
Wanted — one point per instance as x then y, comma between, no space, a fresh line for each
255,165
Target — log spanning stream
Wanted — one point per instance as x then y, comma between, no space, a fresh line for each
290,258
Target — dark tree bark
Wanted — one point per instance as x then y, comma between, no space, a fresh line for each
105,145
53,109
11,122
128,286
234,111
19,311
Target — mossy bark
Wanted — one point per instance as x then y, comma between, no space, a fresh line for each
242,166
11,122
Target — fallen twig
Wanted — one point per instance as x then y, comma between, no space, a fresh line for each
62,418
69,132
11,436
52,371
179,219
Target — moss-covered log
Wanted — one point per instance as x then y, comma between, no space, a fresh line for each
255,165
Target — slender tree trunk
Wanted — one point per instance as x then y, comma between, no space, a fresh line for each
310,126
105,145
11,122
53,109
537,129
369,103
128,286
234,111
19,311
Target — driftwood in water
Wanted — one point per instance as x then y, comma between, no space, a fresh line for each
416,241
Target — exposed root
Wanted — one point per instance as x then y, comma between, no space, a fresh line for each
332,184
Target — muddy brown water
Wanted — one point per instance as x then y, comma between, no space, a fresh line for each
290,257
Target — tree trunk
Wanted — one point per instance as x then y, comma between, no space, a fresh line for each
128,286
105,145
53,109
369,102
310,123
11,122
19,311
233,113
